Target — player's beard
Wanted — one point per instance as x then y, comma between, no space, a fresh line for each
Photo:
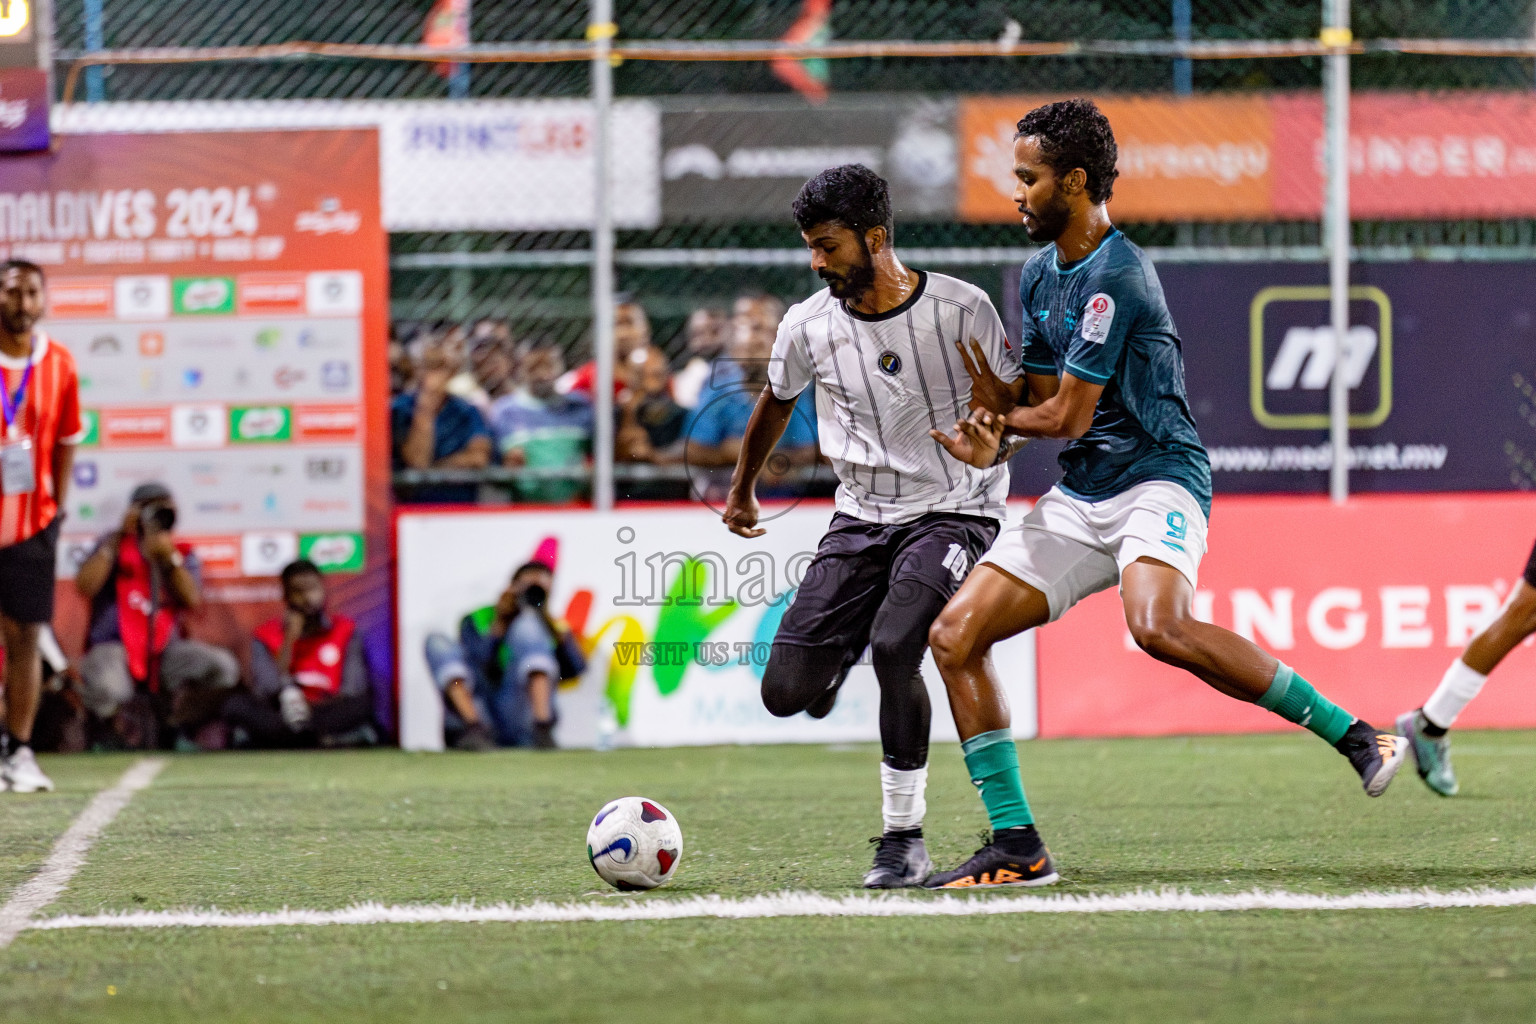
1050,220
852,285
17,322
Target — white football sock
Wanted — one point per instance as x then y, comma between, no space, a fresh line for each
903,803
1456,690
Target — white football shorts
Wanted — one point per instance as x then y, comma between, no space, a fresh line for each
1068,548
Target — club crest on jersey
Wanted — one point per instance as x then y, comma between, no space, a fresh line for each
890,363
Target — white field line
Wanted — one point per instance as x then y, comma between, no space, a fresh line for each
70,850
800,904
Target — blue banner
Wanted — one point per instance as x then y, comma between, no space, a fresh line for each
1441,359
23,110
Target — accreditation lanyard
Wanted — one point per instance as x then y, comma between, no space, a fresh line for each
17,471
12,407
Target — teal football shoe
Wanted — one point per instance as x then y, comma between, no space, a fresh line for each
1432,754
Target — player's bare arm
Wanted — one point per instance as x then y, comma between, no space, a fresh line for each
769,418
1066,414
1063,411
63,467
1041,387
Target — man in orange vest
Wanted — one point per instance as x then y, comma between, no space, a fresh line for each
309,676
39,427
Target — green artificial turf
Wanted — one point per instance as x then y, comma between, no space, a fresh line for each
325,830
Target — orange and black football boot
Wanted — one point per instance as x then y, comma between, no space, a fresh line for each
1376,755
1012,857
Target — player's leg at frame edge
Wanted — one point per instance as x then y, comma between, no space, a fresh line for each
1427,727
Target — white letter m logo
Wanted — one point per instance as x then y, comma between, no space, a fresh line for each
1306,357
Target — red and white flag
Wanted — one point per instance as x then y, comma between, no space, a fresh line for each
447,28
808,77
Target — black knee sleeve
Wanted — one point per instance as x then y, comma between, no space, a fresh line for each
796,675
897,643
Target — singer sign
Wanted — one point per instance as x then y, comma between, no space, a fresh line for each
1370,601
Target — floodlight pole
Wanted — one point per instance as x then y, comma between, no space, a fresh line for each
601,30
1336,234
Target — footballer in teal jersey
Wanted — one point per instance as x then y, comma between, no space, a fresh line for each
1103,367
1103,320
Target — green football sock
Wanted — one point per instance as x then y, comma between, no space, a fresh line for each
1295,700
993,762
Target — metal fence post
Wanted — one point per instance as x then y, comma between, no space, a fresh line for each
1336,234
601,30
95,39
458,80
1183,31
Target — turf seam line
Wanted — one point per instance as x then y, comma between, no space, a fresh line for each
68,853
801,904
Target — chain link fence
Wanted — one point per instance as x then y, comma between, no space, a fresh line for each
85,25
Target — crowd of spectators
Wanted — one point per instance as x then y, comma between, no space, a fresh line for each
517,421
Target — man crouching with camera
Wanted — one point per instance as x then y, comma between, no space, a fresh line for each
498,679
140,672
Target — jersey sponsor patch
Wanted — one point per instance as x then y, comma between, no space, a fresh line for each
1097,316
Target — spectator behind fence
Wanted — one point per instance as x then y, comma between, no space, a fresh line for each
707,333
493,361
140,671
539,428
749,334
309,676
650,427
498,681
402,367
488,329
716,427
431,429
488,366
631,336
453,341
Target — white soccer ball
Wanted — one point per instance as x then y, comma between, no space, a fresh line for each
634,844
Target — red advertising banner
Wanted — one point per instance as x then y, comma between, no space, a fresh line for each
226,299
1370,601
1413,155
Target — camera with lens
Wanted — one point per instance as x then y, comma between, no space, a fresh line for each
157,517
533,596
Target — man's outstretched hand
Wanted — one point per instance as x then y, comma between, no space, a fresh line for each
988,390
740,514
976,439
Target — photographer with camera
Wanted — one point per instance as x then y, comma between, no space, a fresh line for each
140,671
498,681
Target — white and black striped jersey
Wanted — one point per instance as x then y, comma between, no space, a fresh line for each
882,382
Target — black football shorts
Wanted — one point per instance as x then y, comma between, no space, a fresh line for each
859,566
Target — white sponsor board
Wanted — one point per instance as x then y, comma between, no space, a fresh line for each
445,165
705,686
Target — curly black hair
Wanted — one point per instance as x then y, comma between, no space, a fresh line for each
26,267
298,567
851,195
1075,133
